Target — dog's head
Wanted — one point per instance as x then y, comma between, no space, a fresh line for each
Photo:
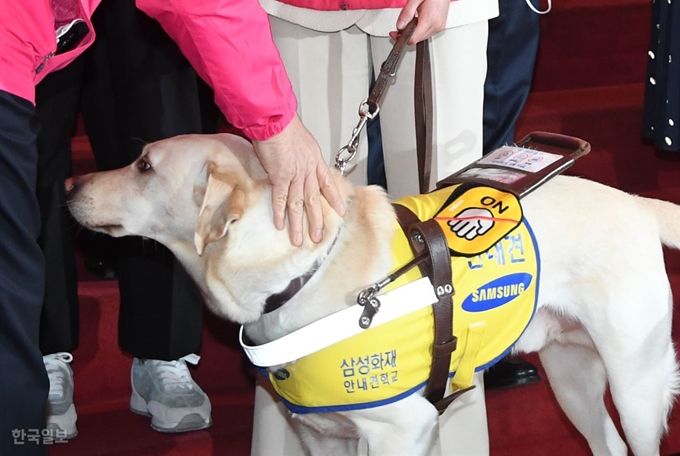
208,199
188,187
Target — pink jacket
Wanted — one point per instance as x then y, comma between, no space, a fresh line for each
227,41
338,5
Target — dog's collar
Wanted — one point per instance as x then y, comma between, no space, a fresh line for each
339,326
277,300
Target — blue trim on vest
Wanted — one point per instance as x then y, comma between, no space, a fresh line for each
300,410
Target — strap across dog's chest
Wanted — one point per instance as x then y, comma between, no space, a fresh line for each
428,237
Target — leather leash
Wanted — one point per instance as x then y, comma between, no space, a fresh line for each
389,67
370,107
424,114
422,98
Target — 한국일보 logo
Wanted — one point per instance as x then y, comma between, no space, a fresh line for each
497,292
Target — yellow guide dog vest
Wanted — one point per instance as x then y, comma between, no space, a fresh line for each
495,300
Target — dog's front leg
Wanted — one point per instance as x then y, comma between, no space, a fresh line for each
324,434
323,444
408,427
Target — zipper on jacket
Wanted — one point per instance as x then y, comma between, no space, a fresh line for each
44,62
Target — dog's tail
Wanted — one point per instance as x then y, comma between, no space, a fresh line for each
668,216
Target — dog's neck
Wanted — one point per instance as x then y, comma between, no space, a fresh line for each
277,300
360,255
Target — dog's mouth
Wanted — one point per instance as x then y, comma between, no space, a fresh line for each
83,215
110,229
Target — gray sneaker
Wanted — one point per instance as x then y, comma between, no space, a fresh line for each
165,391
61,413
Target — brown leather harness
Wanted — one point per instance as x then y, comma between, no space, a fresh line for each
427,237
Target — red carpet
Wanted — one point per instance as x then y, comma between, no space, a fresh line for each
588,84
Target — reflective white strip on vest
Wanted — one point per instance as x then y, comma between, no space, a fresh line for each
340,325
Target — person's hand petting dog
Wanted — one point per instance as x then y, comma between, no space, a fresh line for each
300,177
431,18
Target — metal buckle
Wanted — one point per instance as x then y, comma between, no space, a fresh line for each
352,146
367,298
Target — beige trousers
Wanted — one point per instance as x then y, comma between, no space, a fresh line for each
330,73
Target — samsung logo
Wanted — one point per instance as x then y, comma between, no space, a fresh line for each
497,292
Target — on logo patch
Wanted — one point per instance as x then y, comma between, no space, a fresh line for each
478,218
497,292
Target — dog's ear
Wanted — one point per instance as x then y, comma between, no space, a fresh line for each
222,205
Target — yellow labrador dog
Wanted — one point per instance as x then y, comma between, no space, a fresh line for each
604,305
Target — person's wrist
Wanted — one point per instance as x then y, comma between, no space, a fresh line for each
274,131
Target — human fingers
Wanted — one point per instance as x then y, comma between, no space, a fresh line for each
286,172
312,206
281,171
407,13
299,177
317,185
279,203
280,163
295,210
432,16
329,189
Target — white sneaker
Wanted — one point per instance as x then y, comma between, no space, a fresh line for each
61,413
165,391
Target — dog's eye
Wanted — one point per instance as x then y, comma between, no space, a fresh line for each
143,165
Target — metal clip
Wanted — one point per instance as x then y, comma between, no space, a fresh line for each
370,309
367,298
365,109
352,146
340,162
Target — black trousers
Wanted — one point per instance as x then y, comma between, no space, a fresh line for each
511,57
57,106
133,87
23,381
